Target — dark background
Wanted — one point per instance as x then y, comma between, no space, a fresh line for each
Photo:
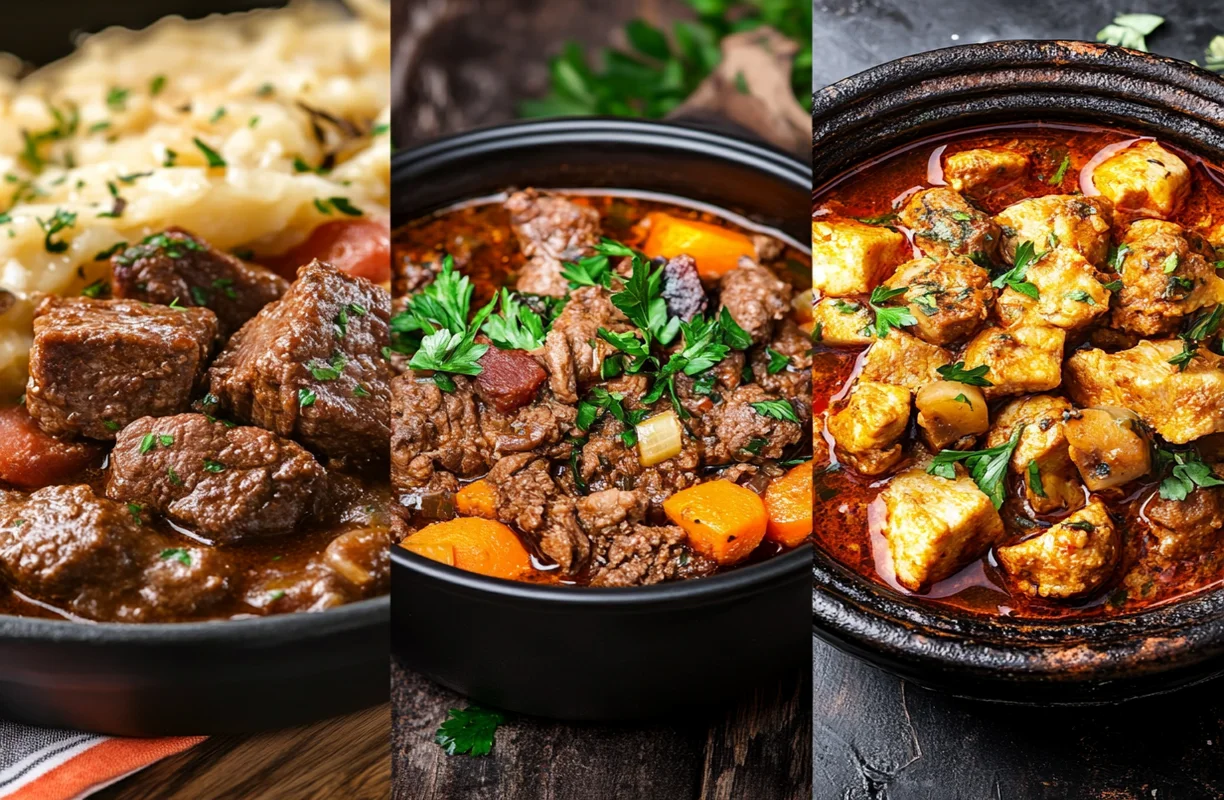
875,737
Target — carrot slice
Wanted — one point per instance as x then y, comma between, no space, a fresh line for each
477,499
477,545
788,502
723,521
716,250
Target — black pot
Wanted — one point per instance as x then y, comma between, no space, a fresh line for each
194,678
945,91
602,654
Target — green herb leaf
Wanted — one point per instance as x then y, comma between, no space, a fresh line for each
213,466
179,554
517,327
778,409
1130,30
470,731
1057,178
777,361
1186,472
306,398
887,317
971,377
156,85
213,158
1080,296
60,220
1034,479
147,443
987,467
1170,264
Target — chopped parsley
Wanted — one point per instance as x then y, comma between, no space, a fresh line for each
156,85
217,115
600,402
175,480
178,554
889,316
328,371
96,289
134,509
1034,479
213,466
777,361
1026,256
777,409
987,467
1080,296
1170,264
970,377
111,425
1186,472
60,221
306,398
341,204
117,98
360,391
170,159
213,158
593,270
517,327
1061,172
1201,327
960,398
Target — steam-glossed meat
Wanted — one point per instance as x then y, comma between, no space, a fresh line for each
225,483
96,365
310,366
174,265
508,379
550,229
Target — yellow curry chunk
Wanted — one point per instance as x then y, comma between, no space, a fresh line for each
852,257
1073,558
944,225
980,171
1041,458
1023,359
1071,293
935,526
1144,178
842,323
950,299
904,360
1181,404
868,429
1066,220
1168,273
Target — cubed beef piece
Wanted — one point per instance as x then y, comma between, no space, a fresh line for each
310,366
573,351
508,379
95,558
550,230
224,483
755,298
176,265
96,365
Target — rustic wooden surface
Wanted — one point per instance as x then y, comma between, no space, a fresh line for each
345,757
875,736
756,750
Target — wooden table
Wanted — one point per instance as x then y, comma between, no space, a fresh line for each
758,749
345,757
876,736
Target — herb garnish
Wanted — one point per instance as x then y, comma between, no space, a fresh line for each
1057,177
987,467
1026,256
777,409
970,377
517,327
327,371
59,221
1186,472
1200,328
1034,479
889,316
777,361
178,554
470,731
306,398
1130,30
212,156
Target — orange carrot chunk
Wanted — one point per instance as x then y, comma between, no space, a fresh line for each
723,521
477,545
788,502
716,250
477,499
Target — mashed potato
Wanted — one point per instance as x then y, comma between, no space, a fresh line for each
249,130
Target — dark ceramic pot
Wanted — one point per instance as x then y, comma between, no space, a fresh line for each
943,91
602,654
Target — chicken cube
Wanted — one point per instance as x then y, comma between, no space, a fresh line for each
1081,223
868,429
944,225
1070,293
1181,404
934,526
842,323
1144,178
904,360
851,257
949,298
1041,457
1186,528
1022,360
1108,446
1073,558
981,171
1168,273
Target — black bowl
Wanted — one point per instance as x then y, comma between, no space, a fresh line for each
230,676
602,654
944,91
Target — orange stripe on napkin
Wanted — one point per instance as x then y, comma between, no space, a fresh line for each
100,765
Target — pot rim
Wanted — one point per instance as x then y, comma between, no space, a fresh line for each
488,141
906,633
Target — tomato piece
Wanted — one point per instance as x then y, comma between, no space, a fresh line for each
360,247
32,459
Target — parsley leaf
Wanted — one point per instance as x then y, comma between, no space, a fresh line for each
1034,479
213,158
889,316
1026,256
1201,327
778,409
971,377
1130,30
178,554
987,467
470,731
588,271
1186,472
1061,172
517,327
777,361
59,221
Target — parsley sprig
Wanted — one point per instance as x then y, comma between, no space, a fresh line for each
987,467
889,316
1200,328
469,731
440,313
971,377
1186,472
601,402
517,327
1026,256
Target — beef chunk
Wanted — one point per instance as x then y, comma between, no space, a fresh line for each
310,367
225,483
606,463
793,381
755,298
508,379
1186,528
682,289
550,230
95,558
573,351
96,365
736,431
175,265
529,499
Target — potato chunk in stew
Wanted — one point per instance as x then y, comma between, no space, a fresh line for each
1022,360
1144,178
944,225
934,526
869,428
1181,404
1072,558
951,415
950,299
982,170
1081,223
1041,457
851,257
1108,446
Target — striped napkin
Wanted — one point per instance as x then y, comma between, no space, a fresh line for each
47,764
